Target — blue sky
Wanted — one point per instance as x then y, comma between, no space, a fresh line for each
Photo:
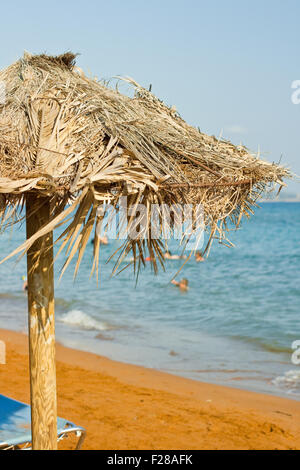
225,65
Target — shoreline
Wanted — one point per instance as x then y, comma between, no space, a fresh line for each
124,406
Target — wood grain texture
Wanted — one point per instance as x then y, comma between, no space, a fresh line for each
41,323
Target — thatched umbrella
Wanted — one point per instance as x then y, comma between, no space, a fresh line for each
68,143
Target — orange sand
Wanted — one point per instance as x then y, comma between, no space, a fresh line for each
129,407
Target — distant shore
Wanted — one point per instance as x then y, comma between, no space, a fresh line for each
280,200
130,407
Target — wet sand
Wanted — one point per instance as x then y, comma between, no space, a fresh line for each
129,407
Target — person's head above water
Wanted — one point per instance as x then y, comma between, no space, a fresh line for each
199,256
183,284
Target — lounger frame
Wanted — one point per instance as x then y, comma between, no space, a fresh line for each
65,433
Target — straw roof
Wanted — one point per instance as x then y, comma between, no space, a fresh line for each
79,142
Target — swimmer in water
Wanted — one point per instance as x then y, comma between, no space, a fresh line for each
103,240
168,255
25,284
183,285
198,257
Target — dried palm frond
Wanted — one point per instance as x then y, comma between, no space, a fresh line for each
80,144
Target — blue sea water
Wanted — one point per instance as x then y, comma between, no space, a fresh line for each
235,326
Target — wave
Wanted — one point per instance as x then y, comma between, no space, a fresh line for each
11,296
290,381
273,347
82,320
63,303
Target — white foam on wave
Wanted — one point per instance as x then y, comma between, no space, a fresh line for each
82,320
289,381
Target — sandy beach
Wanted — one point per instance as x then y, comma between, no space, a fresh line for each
129,407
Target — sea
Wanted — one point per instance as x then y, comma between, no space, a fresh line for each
236,326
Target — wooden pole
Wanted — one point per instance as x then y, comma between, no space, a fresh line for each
41,325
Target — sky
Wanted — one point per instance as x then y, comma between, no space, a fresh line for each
227,66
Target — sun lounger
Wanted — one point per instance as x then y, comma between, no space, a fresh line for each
15,426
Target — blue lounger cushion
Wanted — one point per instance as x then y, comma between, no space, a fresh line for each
15,423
